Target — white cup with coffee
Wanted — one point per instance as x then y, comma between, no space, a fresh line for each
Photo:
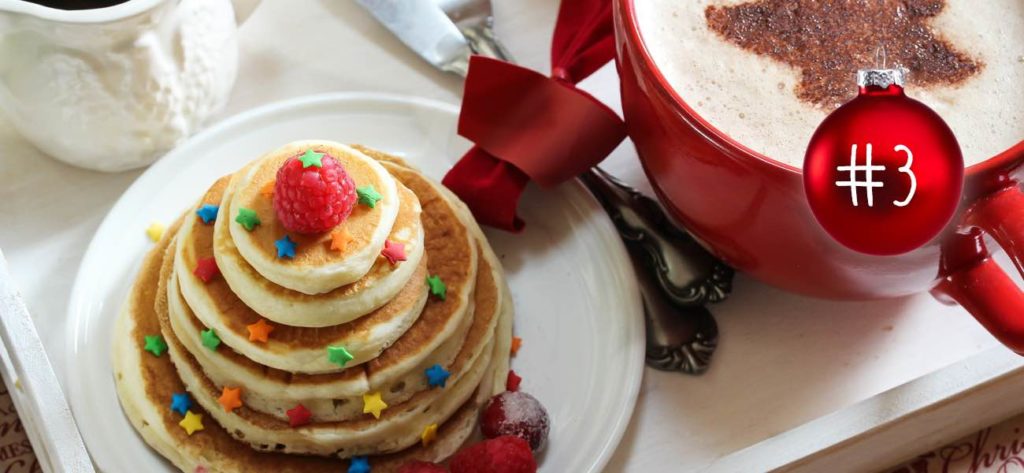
113,84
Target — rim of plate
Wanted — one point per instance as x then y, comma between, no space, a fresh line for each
616,255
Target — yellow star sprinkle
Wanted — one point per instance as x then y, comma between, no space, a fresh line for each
155,231
428,435
192,422
372,404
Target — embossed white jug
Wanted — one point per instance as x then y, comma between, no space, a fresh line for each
114,88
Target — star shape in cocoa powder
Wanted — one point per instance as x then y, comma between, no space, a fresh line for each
829,40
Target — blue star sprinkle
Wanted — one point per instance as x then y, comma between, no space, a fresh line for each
285,247
208,212
359,465
437,376
180,403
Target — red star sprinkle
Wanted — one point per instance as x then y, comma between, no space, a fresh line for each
394,252
206,269
298,416
512,383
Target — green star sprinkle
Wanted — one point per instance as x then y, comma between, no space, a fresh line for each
311,158
368,196
248,218
155,344
437,287
339,355
210,339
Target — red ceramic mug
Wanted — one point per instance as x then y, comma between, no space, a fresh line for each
752,211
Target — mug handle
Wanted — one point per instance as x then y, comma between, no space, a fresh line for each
974,280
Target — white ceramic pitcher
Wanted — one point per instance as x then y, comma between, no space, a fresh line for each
114,88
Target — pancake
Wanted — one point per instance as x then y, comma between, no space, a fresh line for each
315,268
290,348
144,384
397,372
340,305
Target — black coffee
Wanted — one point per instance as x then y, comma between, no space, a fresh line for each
77,4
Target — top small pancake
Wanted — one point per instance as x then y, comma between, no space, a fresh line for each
315,268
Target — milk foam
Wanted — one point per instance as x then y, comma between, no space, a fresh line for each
751,98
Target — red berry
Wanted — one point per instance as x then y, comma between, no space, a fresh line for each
500,455
313,199
421,467
518,414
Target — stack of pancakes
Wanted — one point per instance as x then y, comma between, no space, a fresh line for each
347,324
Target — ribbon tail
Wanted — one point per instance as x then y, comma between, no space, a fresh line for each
490,188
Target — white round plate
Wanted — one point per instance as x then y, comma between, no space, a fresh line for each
578,309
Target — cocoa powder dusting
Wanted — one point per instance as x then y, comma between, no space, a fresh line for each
829,40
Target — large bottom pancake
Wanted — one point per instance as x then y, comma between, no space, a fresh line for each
145,384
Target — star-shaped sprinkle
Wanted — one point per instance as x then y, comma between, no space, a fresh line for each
311,158
340,239
512,382
248,218
201,469
155,344
359,465
210,339
268,189
285,247
517,343
230,398
372,404
368,196
429,435
181,403
259,331
437,287
437,376
155,231
192,422
339,355
827,42
393,251
208,212
298,415
206,269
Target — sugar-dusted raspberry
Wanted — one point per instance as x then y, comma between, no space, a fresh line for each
505,454
421,467
518,414
313,199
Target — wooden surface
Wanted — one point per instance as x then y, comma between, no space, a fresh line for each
784,360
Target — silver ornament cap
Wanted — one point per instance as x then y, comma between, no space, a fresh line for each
881,77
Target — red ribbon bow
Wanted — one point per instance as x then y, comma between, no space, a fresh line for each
528,126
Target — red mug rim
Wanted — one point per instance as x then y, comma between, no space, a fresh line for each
998,161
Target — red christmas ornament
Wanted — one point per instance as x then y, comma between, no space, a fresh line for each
883,173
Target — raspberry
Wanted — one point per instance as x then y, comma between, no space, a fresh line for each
421,467
518,414
505,454
313,199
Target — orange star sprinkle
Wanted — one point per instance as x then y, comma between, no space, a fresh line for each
516,343
268,189
259,331
230,398
340,239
